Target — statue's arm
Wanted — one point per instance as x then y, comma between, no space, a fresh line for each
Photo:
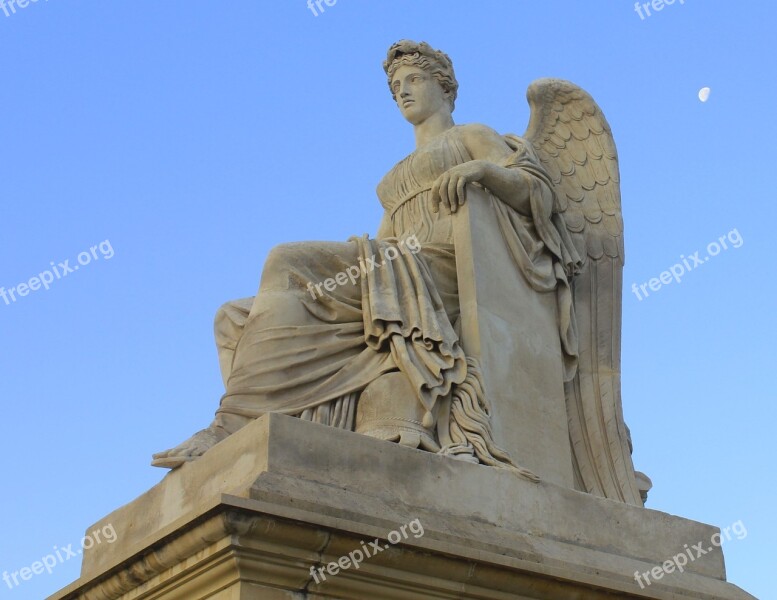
489,154
511,185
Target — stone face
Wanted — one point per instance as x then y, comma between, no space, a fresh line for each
256,525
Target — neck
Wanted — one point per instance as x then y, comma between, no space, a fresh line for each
432,127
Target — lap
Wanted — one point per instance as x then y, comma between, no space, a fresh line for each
330,272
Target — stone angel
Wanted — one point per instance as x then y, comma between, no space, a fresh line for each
493,338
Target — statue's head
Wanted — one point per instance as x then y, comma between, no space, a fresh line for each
423,56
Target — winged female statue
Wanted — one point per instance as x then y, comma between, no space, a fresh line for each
380,352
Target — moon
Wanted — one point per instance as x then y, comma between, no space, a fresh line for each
704,94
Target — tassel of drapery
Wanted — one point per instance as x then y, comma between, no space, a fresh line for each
469,426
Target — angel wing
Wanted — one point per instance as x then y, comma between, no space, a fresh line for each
575,145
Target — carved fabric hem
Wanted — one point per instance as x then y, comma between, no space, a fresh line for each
339,413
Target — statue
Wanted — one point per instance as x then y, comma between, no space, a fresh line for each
374,335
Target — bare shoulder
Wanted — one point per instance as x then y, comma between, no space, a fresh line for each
483,142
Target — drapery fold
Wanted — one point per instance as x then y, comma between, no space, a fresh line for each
310,353
404,313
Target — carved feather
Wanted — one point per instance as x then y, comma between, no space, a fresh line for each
575,145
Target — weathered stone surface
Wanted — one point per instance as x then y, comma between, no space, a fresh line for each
227,527
492,324
492,290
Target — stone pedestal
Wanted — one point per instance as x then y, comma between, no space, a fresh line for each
270,512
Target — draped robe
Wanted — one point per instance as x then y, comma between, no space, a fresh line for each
309,353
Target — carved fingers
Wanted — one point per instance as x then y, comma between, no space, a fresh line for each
449,189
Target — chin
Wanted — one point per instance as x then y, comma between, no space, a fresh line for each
413,117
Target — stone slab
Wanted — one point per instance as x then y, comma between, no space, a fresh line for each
293,473
512,330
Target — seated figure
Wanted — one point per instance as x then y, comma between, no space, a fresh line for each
336,327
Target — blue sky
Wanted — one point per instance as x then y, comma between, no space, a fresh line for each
190,137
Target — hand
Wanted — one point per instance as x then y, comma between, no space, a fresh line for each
449,187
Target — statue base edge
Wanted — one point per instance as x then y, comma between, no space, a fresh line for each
257,512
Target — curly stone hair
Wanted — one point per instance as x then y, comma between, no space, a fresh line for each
423,56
